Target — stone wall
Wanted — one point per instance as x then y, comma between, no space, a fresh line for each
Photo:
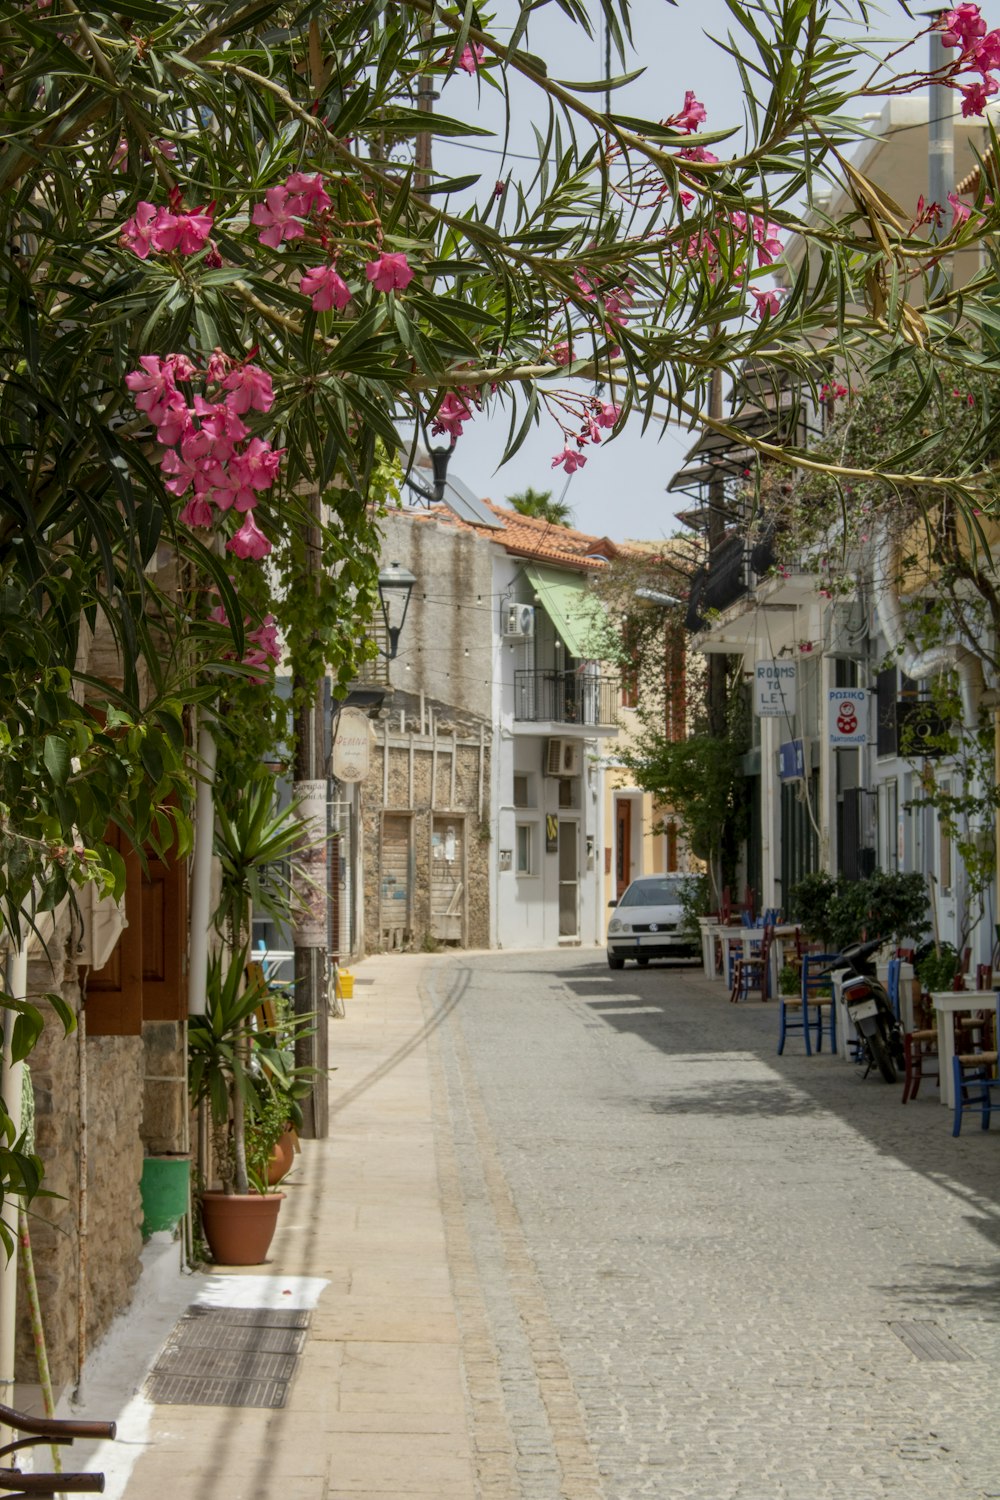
109,1250
437,789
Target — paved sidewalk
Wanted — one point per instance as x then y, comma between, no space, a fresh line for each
377,1405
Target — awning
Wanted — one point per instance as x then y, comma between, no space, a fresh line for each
564,599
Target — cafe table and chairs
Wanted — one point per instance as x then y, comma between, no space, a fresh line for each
964,1006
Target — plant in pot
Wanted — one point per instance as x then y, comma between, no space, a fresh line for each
789,980
234,1053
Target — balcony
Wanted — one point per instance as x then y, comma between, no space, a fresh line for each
567,698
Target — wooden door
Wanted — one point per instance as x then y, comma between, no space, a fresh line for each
623,845
395,921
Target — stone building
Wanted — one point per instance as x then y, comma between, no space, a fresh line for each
481,815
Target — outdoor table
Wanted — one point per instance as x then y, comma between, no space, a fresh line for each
747,937
947,1005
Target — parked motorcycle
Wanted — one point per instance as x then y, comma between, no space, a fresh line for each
879,1033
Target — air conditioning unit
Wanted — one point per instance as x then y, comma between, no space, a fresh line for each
563,758
519,620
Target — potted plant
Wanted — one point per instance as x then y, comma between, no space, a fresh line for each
789,980
237,1057
938,968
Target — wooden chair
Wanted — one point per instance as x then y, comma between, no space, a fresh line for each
919,1046
753,972
975,1071
817,996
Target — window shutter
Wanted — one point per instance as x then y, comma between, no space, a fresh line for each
163,901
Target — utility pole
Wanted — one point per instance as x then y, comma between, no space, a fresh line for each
425,138
310,932
716,531
940,149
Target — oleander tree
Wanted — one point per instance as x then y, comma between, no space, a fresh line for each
231,289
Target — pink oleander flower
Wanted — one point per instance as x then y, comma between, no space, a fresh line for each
266,637
257,466
391,272
959,211
166,148
277,216
739,220
499,188
452,414
961,27
768,241
326,288
767,303
975,95
218,367
309,196
563,353
119,156
472,56
187,233
137,232
608,414
152,386
249,541
174,423
571,459
249,387
692,114
184,471
198,512
686,198
697,153
986,53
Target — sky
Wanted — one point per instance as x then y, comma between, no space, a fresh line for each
621,492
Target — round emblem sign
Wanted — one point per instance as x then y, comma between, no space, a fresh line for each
654,927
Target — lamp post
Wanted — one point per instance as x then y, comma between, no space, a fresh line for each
395,585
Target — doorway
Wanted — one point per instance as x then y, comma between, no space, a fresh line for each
569,881
623,845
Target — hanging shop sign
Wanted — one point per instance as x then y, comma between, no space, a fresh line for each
353,733
792,761
774,688
847,716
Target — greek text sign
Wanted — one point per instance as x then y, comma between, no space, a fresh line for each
847,716
774,688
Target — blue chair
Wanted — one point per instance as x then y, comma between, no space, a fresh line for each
817,997
796,1012
754,971
974,1077
892,985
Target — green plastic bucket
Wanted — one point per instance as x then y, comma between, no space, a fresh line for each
164,1190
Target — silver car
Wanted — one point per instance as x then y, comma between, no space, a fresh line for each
649,922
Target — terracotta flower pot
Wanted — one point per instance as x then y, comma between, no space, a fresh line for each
281,1159
239,1227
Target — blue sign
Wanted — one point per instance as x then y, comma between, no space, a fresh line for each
792,760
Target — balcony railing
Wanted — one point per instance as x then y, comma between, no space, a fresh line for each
566,698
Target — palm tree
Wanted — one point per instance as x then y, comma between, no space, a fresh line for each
540,504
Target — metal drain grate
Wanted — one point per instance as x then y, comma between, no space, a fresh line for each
926,1340
229,1356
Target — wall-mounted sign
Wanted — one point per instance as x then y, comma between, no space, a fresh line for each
551,833
792,760
847,716
506,859
353,734
774,684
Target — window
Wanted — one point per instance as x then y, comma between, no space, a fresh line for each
569,791
523,791
525,840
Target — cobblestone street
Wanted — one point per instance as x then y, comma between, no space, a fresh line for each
679,1259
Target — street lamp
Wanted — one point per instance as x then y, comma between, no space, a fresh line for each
657,596
395,585
440,459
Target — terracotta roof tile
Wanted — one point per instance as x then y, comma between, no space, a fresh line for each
528,536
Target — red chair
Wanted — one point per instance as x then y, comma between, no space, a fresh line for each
919,1045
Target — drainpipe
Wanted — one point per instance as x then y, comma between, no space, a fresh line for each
16,978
